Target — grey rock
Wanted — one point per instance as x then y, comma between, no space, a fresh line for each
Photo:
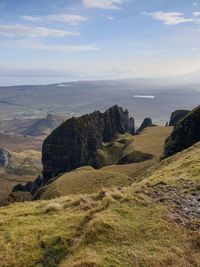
5,157
147,122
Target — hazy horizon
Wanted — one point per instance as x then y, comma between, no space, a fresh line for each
97,39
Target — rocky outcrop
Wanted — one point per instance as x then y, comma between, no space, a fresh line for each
177,115
5,157
115,121
185,134
76,142
31,187
147,122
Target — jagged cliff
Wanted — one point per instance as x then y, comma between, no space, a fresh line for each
76,142
185,133
177,115
147,122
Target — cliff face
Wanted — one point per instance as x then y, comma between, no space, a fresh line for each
75,143
185,134
177,115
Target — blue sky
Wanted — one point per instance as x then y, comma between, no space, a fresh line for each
99,39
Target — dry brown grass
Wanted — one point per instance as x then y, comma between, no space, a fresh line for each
114,227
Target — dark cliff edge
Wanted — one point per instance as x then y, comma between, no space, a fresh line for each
185,134
177,115
76,142
147,122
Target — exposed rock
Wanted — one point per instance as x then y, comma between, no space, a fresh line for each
177,115
147,122
19,196
76,142
31,187
5,157
116,121
185,134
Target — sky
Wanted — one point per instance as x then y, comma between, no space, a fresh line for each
98,39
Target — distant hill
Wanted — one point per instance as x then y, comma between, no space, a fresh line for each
19,143
16,126
37,127
43,127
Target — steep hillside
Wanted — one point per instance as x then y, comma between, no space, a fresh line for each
177,115
185,134
82,181
153,223
142,149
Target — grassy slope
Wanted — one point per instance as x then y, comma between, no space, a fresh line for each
25,166
141,225
150,141
81,182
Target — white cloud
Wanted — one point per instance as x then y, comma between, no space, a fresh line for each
70,19
169,18
110,18
63,48
196,14
23,30
104,4
26,43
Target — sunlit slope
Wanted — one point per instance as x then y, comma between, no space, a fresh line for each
125,147
150,141
81,182
153,223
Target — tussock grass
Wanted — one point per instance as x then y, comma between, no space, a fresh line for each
82,182
126,226
53,207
